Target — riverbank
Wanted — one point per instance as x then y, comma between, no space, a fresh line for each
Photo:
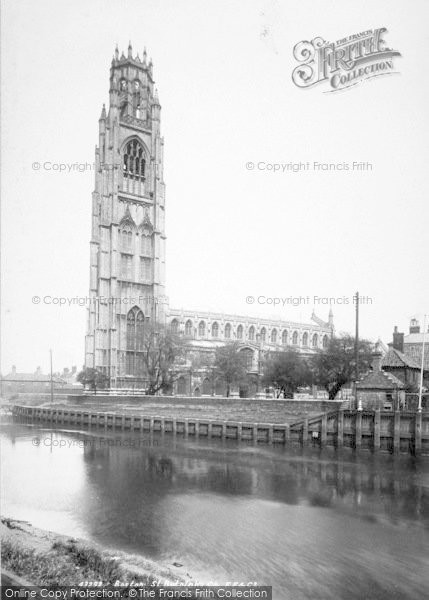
49,559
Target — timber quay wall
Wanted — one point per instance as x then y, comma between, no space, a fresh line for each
376,431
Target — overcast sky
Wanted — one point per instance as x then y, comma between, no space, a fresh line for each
223,71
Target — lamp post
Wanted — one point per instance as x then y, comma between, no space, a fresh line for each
419,408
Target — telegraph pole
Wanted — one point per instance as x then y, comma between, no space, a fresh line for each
357,350
422,366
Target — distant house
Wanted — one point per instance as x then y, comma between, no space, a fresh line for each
380,388
24,383
403,367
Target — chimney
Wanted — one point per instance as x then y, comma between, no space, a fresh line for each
376,359
398,340
414,326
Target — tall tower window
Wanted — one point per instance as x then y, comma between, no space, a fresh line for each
135,342
284,337
126,266
228,331
126,240
134,160
146,243
146,269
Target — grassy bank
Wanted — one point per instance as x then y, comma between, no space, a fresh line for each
45,558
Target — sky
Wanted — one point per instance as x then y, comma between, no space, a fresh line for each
223,70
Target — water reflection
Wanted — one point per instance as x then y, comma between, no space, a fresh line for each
309,523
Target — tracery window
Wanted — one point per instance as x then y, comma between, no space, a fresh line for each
284,337
305,339
295,338
202,329
228,331
240,332
174,326
134,160
215,330
315,341
188,327
146,243
325,341
274,336
251,333
263,334
135,342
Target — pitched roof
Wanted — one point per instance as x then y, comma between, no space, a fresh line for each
379,380
397,359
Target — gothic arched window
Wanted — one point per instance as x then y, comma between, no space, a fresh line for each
240,332
263,334
135,329
325,341
305,339
134,160
146,243
274,336
202,329
126,239
251,333
215,330
188,327
135,342
315,341
228,331
284,337
295,338
174,326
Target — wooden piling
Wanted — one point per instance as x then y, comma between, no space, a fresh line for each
397,432
377,429
358,429
418,434
324,430
340,429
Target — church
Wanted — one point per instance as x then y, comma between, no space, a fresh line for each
128,253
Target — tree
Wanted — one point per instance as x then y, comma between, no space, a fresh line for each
230,365
93,378
286,371
162,353
335,365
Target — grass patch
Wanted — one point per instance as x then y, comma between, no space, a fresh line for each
68,562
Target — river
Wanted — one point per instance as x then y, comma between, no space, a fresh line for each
312,524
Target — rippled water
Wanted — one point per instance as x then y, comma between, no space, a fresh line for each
311,524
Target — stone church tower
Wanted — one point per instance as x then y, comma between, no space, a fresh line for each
127,248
